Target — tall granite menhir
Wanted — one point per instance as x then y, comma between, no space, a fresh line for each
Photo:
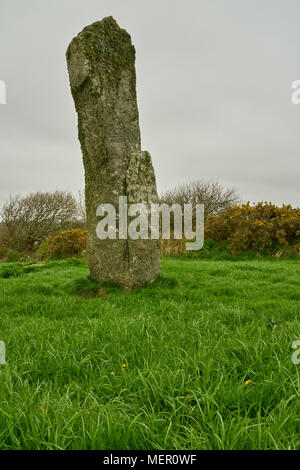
101,65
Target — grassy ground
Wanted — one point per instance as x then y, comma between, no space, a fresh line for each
189,343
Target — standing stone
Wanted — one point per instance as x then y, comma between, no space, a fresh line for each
101,66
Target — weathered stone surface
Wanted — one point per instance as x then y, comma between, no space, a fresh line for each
101,66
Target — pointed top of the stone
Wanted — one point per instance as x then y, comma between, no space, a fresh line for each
109,21
104,27
106,31
102,45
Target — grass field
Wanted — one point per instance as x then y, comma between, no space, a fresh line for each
189,343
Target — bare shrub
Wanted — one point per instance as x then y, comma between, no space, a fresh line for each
31,219
213,196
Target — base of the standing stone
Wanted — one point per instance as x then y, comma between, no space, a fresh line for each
138,266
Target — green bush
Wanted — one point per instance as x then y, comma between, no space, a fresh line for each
7,254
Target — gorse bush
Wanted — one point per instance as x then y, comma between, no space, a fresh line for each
64,244
263,227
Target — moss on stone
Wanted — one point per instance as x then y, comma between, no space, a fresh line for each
108,47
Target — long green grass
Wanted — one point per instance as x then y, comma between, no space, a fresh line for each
189,343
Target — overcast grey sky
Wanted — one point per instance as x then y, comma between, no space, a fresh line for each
214,92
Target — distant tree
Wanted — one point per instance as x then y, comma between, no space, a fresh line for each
30,219
212,195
